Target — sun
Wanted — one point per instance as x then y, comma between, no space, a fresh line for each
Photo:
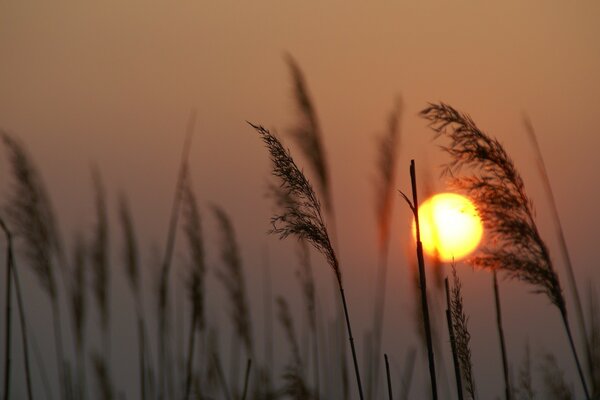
450,226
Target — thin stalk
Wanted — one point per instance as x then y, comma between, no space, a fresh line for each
246,379
354,358
21,308
142,357
8,319
507,389
453,343
389,381
166,263
221,376
378,318
564,250
414,205
190,364
574,350
60,361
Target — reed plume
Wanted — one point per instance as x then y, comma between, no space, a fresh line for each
232,278
193,233
78,297
303,218
307,132
461,334
30,214
130,256
515,245
387,150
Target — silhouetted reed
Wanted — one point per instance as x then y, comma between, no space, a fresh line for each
385,181
524,389
132,271
514,242
78,297
461,335
452,337
303,217
104,387
505,372
30,215
564,250
195,286
232,277
593,338
8,315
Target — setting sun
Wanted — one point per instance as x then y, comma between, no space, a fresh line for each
450,226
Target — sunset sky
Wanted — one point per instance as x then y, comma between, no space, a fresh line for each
112,84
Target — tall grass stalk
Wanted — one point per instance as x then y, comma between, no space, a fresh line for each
507,386
414,206
30,213
516,246
389,380
455,361
594,337
303,219
193,233
8,315
12,268
163,288
387,148
78,297
564,249
130,256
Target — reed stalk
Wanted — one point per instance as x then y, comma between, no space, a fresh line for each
8,316
163,288
564,250
516,246
387,374
455,361
414,206
303,219
507,386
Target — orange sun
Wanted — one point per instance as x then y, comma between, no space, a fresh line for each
450,226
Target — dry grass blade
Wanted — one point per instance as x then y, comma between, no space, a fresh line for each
554,380
461,334
232,277
497,188
99,252
103,383
193,233
30,214
78,292
307,132
130,249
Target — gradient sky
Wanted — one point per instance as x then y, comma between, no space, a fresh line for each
112,84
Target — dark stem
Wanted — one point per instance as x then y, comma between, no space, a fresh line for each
246,379
8,325
387,373
60,361
507,389
453,343
221,376
190,366
166,263
574,350
378,317
142,357
564,250
21,308
423,284
354,358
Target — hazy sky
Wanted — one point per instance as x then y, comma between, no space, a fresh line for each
112,83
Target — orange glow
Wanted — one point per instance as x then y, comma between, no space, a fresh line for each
450,226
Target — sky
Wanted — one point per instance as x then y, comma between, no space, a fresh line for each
112,83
